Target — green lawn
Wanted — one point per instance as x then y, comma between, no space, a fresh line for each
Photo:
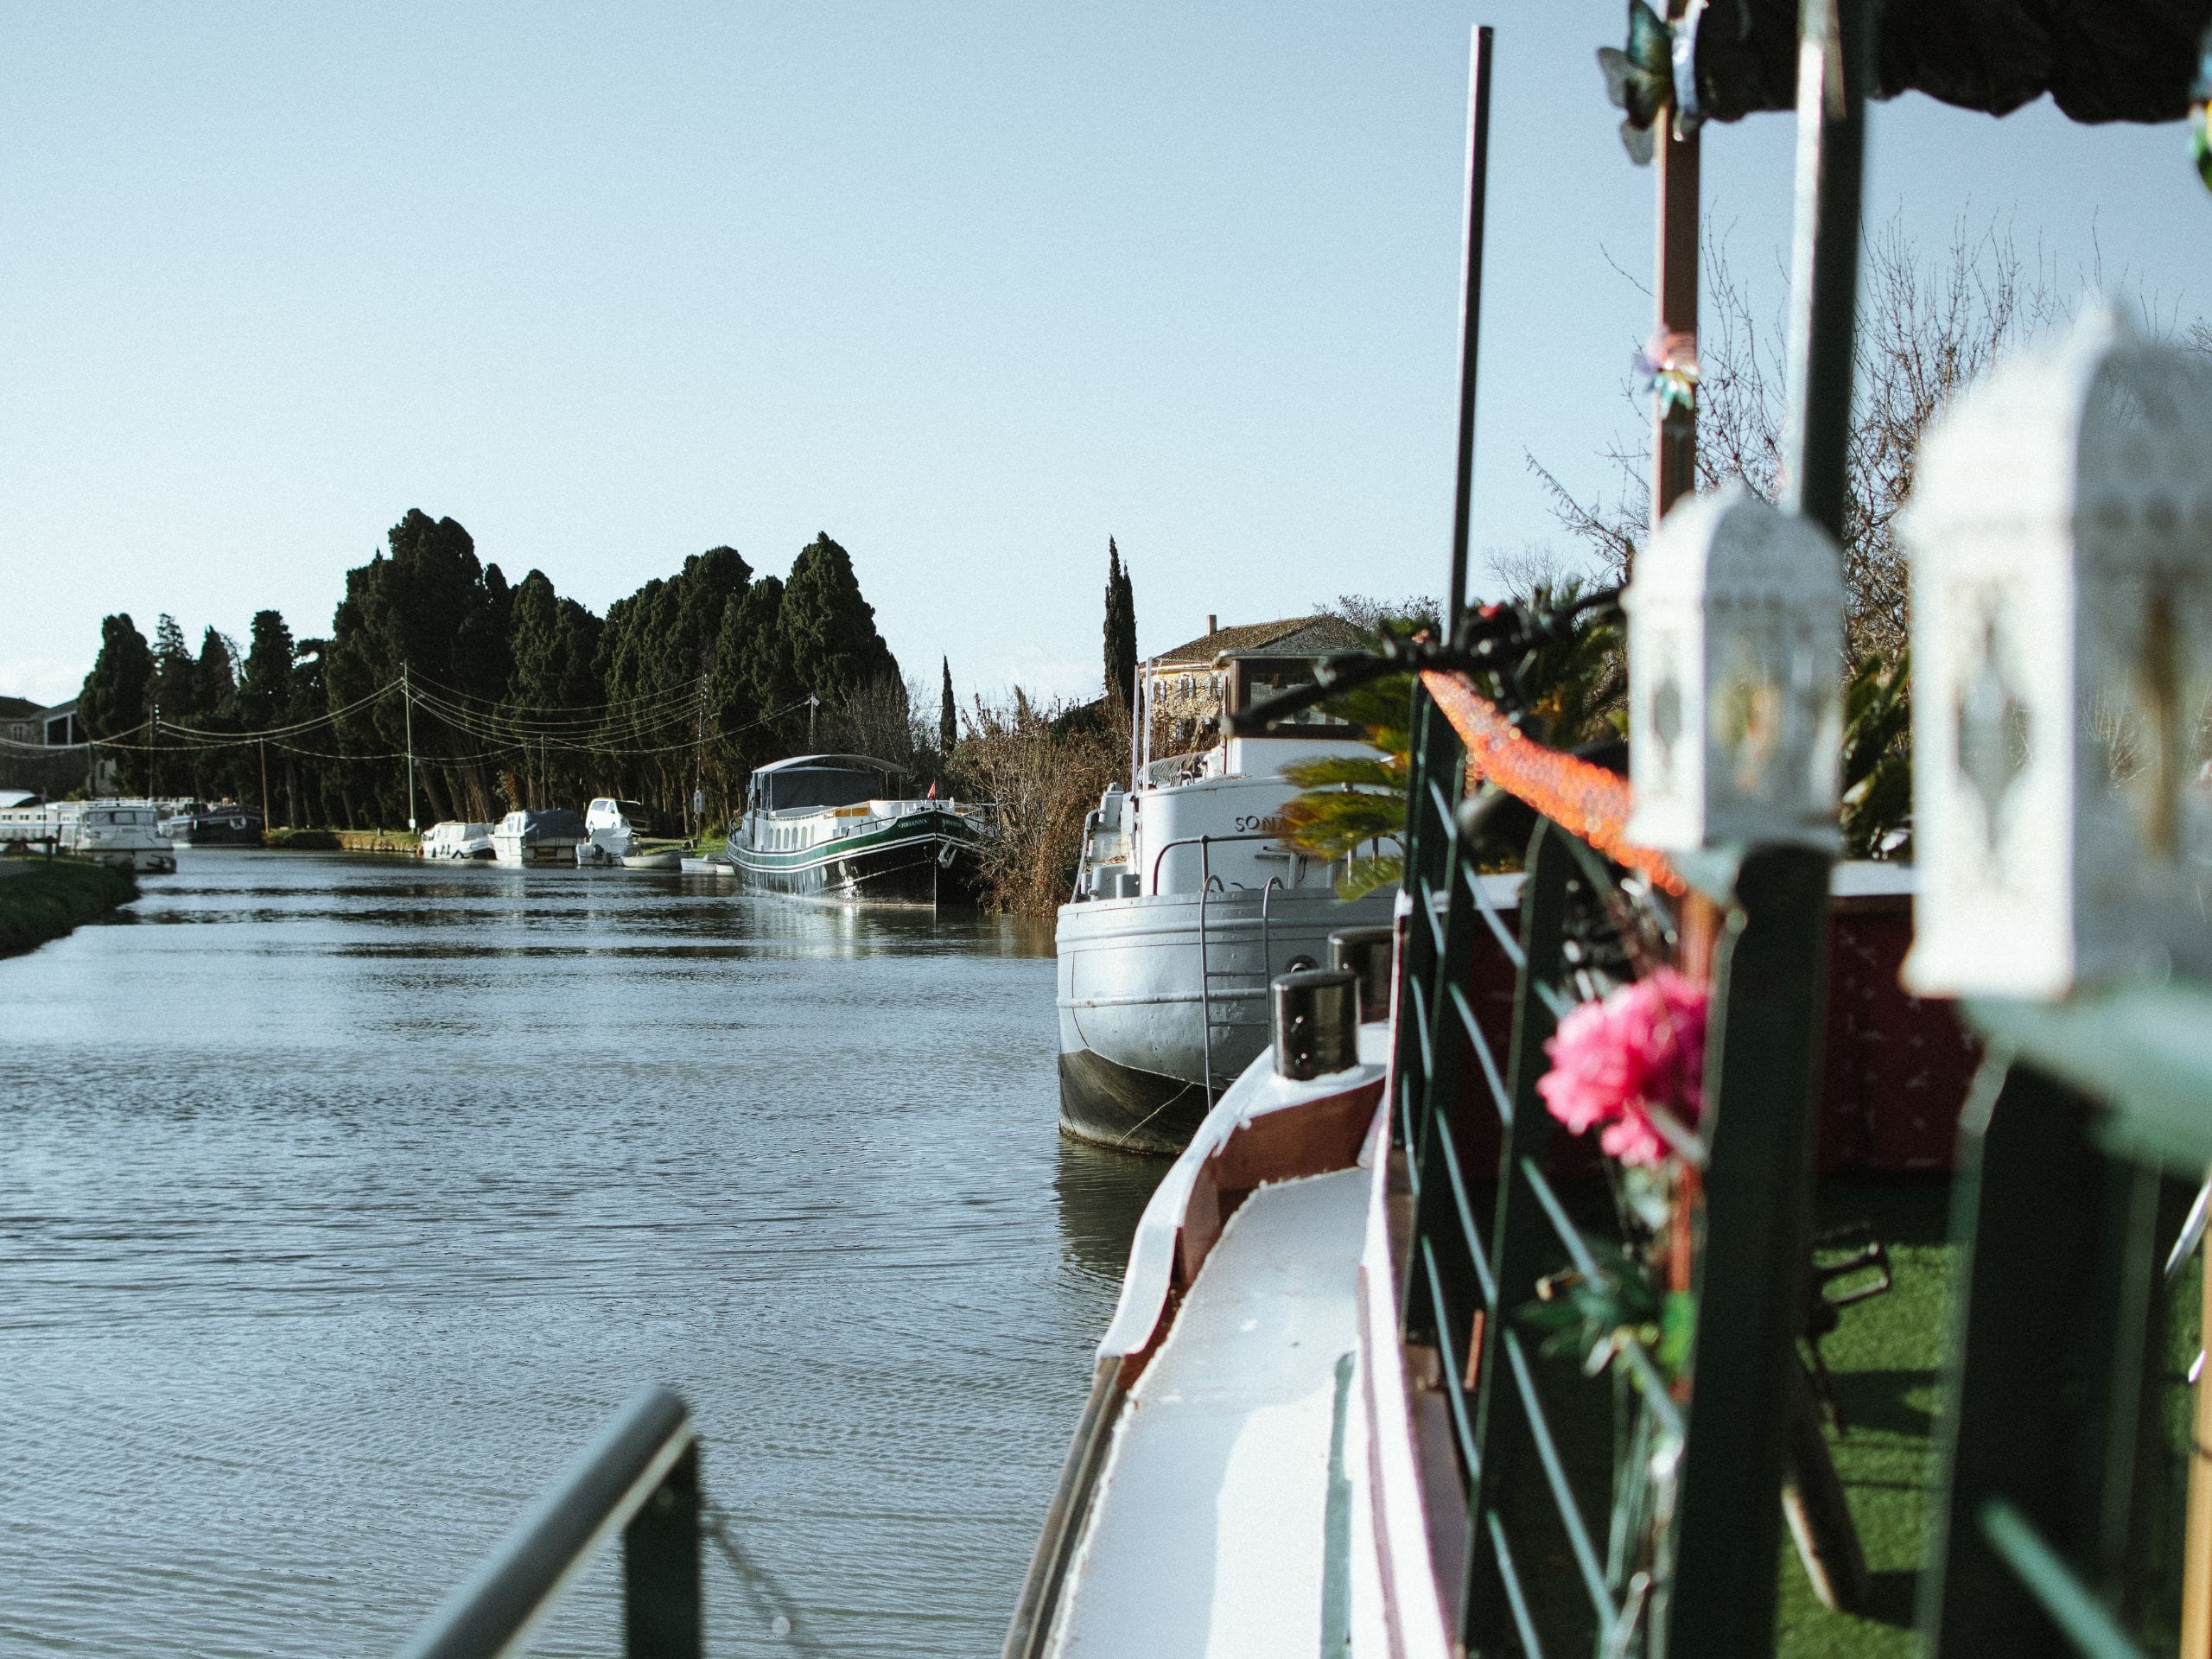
1886,1359
42,898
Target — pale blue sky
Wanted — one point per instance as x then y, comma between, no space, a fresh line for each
970,288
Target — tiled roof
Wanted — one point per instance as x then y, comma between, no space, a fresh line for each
11,706
1292,636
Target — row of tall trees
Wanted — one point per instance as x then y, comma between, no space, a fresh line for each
506,694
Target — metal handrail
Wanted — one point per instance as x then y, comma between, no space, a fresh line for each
1202,842
640,1475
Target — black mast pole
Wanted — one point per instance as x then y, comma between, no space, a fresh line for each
1470,306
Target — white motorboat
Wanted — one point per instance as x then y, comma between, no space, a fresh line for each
453,839
1187,902
122,833
529,836
612,834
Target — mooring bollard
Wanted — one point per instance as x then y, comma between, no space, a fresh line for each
1317,1022
1365,954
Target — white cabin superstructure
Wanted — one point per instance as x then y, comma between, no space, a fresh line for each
453,839
1187,900
120,832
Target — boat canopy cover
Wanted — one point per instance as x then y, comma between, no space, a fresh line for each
552,823
2099,60
799,787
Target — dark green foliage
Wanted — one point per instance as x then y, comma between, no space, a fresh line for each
214,679
266,684
519,694
1121,628
660,658
177,672
1576,686
53,895
432,609
835,652
553,645
948,717
1353,801
1877,755
116,692
753,683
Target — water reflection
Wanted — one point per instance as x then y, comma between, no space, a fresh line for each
345,1195
1103,1194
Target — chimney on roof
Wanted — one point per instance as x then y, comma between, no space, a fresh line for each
1213,623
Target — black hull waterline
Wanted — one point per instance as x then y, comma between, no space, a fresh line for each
1110,1104
934,870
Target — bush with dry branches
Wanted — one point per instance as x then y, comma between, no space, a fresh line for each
1926,326
1045,767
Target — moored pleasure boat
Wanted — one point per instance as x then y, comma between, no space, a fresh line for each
1187,902
831,826
225,823
529,836
122,833
451,839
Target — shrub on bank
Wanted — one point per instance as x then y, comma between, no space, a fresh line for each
301,840
1045,768
41,898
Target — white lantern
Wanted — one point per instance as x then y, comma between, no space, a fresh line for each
1735,653
2060,539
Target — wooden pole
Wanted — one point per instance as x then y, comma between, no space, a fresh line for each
1674,447
2196,1547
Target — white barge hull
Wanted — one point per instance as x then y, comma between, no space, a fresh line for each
1140,1003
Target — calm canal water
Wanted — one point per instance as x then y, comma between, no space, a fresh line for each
340,1198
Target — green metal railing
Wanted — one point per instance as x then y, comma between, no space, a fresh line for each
2051,1533
1669,1523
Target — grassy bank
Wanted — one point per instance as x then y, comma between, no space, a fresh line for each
380,840
42,898
285,839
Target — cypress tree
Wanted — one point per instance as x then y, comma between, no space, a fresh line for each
753,675
1121,628
830,629
115,692
214,678
948,716
265,685
176,676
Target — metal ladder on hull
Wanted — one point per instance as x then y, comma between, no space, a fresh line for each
1230,979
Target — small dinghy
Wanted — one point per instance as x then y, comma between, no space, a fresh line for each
666,858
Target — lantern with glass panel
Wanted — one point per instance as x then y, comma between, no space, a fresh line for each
1735,665
2060,539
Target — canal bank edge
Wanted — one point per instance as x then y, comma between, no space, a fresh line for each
42,898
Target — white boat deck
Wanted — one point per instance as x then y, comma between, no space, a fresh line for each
1212,1531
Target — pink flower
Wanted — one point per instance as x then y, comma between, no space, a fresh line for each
1615,1061
1633,1138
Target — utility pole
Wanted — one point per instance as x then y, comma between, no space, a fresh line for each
699,759
813,702
407,702
263,747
